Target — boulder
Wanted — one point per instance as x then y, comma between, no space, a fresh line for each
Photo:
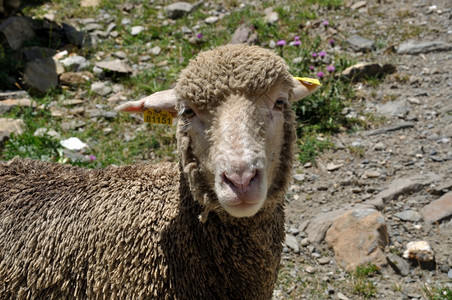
358,237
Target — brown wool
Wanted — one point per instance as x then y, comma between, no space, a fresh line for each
147,231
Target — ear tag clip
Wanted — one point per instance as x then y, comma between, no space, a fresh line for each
152,116
308,81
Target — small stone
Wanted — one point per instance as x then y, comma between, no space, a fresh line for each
101,88
372,174
178,9
412,47
41,74
136,30
45,131
271,18
17,31
449,274
75,63
116,65
304,242
211,20
419,250
73,143
409,215
155,50
310,270
379,146
333,167
438,209
341,296
9,126
7,105
299,177
324,260
361,44
126,21
292,243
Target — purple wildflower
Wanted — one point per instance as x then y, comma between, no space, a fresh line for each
92,157
322,53
320,74
330,68
331,42
325,23
296,43
314,54
280,43
199,35
311,68
296,38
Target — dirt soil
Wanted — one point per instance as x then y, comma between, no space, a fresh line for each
418,94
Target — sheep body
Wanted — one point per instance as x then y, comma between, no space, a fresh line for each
198,229
94,235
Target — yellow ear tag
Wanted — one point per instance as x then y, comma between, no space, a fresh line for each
158,117
308,81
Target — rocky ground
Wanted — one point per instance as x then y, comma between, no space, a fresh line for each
376,190
396,179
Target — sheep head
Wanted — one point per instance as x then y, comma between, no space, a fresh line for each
236,129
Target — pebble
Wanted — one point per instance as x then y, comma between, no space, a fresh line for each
211,20
449,274
136,30
310,270
101,88
292,243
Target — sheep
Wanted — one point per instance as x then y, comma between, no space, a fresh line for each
208,227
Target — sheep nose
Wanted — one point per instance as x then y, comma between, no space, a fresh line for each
240,180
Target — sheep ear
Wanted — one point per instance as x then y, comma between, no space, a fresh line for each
302,89
163,100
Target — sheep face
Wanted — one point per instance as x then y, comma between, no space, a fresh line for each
238,146
236,129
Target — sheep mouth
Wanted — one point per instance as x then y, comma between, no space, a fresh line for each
242,197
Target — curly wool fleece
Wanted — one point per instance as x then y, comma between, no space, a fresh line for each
133,232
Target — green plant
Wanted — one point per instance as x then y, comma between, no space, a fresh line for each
362,285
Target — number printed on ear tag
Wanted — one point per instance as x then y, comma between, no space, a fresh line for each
158,117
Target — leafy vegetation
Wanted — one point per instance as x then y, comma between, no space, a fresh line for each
306,54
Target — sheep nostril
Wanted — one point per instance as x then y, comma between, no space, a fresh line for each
240,180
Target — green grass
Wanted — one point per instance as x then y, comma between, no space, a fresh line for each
317,114
362,281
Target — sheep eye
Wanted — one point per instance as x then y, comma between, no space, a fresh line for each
188,112
279,104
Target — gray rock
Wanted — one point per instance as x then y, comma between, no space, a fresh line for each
399,108
438,209
46,131
7,105
101,88
319,225
299,177
244,34
155,50
409,215
13,95
40,75
115,65
136,30
449,274
271,18
389,129
399,265
364,70
211,20
292,243
358,237
75,63
10,126
78,38
93,26
360,44
35,52
17,30
413,47
178,9
95,113
403,186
